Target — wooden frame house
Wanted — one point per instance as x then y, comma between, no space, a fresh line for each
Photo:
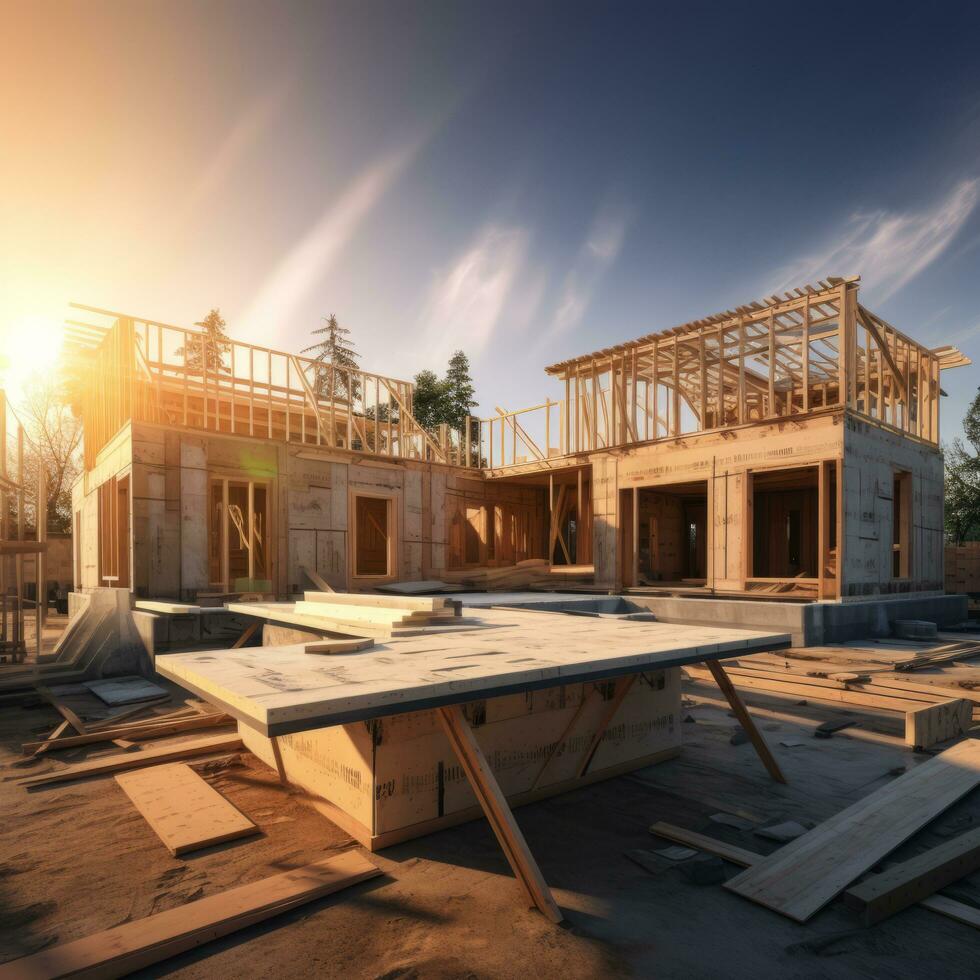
786,448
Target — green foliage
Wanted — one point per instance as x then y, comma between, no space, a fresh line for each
458,399
336,350
427,399
207,350
446,400
961,465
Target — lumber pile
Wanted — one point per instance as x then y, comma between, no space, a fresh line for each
932,714
377,616
532,573
945,654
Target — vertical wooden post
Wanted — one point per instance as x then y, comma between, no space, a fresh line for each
823,530
840,527
845,341
675,415
742,415
805,353
703,369
772,366
635,564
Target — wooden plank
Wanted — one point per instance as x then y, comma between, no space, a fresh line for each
338,646
896,888
135,760
407,603
148,729
498,813
321,583
803,876
185,812
934,723
137,945
745,720
739,855
701,842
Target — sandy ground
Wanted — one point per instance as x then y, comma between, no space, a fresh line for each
78,858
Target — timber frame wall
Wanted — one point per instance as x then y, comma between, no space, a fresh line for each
811,381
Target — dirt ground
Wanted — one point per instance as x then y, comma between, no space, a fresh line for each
78,858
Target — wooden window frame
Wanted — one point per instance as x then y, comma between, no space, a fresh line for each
902,522
224,477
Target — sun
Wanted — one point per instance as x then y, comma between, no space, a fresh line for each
29,346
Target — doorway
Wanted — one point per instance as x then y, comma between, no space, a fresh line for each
373,537
238,535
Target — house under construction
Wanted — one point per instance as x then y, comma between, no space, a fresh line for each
786,449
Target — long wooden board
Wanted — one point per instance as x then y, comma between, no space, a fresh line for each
136,760
137,945
800,878
186,813
896,888
746,859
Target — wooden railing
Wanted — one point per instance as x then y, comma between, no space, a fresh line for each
154,372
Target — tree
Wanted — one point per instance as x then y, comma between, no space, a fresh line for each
427,399
457,401
961,466
336,350
57,433
207,350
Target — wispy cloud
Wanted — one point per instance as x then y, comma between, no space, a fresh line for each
598,252
887,249
467,300
312,256
244,133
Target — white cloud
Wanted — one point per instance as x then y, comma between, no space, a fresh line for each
466,301
595,256
887,249
313,255
244,133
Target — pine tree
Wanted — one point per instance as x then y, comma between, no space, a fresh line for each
207,351
427,399
335,349
457,400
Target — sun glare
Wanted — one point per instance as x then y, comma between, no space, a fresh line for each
31,346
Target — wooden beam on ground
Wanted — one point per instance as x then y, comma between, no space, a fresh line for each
136,945
135,760
137,732
746,859
935,723
896,888
745,720
498,813
186,813
800,878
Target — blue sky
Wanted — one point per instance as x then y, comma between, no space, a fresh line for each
524,181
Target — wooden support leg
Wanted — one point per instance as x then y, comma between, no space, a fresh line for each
247,634
497,811
745,719
277,755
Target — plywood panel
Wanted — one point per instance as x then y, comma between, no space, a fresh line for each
185,812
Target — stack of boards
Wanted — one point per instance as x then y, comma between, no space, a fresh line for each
525,574
379,616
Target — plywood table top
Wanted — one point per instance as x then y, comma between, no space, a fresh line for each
280,690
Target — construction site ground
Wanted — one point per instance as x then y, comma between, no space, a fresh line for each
78,858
